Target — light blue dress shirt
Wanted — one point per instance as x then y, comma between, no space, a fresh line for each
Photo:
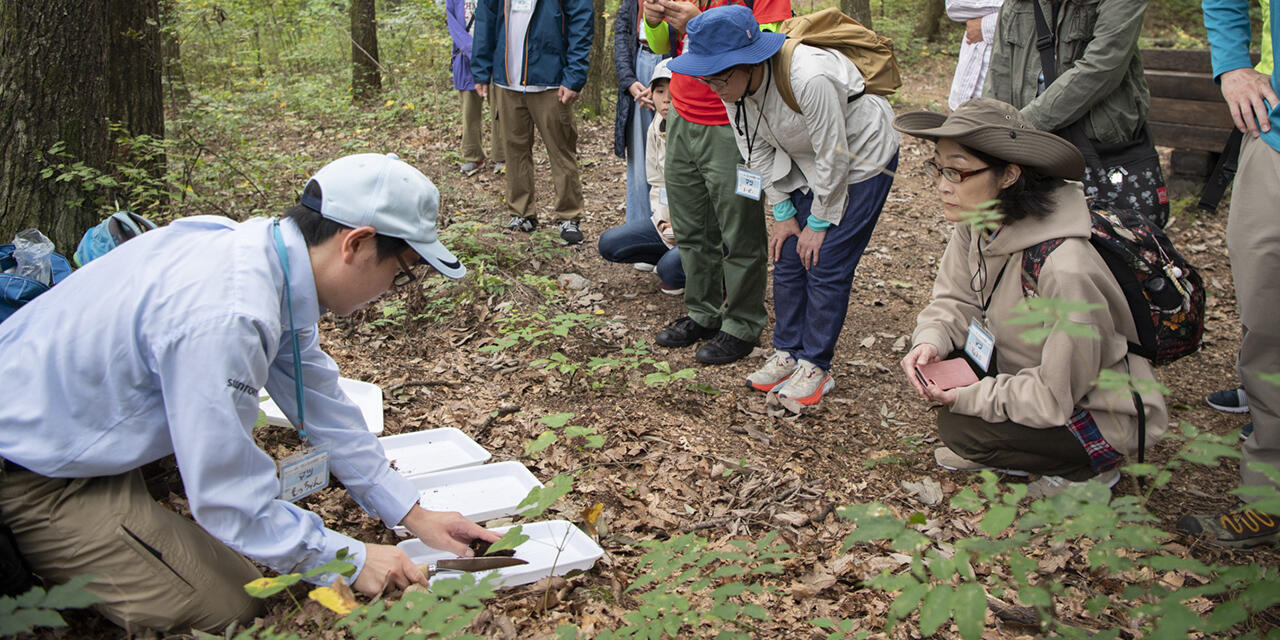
160,347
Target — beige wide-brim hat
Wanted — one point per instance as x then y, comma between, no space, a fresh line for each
997,129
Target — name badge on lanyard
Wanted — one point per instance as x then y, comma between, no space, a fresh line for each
662,196
522,5
306,472
980,344
750,183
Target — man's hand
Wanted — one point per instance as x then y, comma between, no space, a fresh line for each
567,95
679,13
1244,90
778,236
973,30
641,95
920,355
654,12
384,566
482,90
809,245
446,531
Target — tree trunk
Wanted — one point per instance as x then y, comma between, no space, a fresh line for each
135,96
930,13
53,88
366,81
171,55
859,10
600,73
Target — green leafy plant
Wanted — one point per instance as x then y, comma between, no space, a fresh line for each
557,425
1052,314
39,608
664,375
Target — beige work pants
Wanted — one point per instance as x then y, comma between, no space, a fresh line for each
473,128
154,569
521,113
1253,238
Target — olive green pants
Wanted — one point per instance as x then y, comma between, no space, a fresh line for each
153,569
1009,445
522,113
722,236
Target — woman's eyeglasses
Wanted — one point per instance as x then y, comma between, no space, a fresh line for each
953,175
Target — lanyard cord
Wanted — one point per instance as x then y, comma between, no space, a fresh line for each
297,358
742,106
978,282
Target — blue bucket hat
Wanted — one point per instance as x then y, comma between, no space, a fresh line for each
724,37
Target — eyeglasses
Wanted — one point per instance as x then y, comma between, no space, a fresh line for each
717,82
953,175
405,276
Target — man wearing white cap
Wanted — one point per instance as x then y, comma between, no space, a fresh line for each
160,347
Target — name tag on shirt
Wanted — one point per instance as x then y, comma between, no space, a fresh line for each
522,5
304,473
662,196
979,345
750,183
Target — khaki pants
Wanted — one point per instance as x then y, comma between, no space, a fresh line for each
473,128
1253,238
154,569
521,113
1008,445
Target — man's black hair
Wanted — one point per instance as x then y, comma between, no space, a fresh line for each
1029,197
316,229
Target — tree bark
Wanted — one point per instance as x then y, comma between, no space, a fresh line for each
171,55
366,80
859,10
600,73
53,88
930,13
135,95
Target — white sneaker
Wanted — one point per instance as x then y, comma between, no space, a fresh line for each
643,266
775,371
952,461
807,385
1049,486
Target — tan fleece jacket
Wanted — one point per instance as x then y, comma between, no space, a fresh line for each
1040,385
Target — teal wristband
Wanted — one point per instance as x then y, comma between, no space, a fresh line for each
816,223
784,210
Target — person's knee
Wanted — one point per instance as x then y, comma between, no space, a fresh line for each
953,433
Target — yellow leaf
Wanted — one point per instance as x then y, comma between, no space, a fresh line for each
389,103
261,583
332,600
590,516
408,105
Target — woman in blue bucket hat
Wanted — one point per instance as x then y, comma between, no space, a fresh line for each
826,170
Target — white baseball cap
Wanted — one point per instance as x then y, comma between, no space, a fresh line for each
383,192
660,71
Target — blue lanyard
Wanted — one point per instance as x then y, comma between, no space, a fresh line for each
297,358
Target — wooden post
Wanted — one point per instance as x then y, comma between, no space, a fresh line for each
859,10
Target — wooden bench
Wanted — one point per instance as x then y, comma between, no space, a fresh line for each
1187,111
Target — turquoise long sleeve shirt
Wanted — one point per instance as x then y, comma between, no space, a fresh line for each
1227,22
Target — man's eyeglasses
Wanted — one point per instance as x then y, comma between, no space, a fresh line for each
956,176
406,273
717,82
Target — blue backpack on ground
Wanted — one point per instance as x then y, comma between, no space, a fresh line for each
16,290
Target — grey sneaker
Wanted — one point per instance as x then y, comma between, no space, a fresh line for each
807,385
499,168
569,232
775,371
470,168
1229,400
952,461
1049,486
644,266
1241,529
519,223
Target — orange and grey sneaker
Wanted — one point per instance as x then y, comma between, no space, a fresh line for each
1243,528
807,385
775,371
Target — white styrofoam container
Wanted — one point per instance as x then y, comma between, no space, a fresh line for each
432,450
555,547
479,493
366,395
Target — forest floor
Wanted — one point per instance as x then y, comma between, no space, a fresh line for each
706,455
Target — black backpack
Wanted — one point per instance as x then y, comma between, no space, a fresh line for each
1164,291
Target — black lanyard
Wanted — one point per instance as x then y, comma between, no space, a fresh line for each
741,104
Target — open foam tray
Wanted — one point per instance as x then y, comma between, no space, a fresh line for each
432,450
555,547
479,493
366,395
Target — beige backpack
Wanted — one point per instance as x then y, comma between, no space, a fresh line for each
831,29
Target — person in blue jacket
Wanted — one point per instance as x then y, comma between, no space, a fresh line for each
159,348
537,52
460,15
1253,240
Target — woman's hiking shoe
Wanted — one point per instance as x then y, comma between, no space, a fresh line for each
952,461
724,348
521,223
682,333
1229,400
807,385
775,371
1049,486
643,266
1246,431
569,232
1244,528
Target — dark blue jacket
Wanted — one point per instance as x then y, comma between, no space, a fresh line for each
557,47
626,42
